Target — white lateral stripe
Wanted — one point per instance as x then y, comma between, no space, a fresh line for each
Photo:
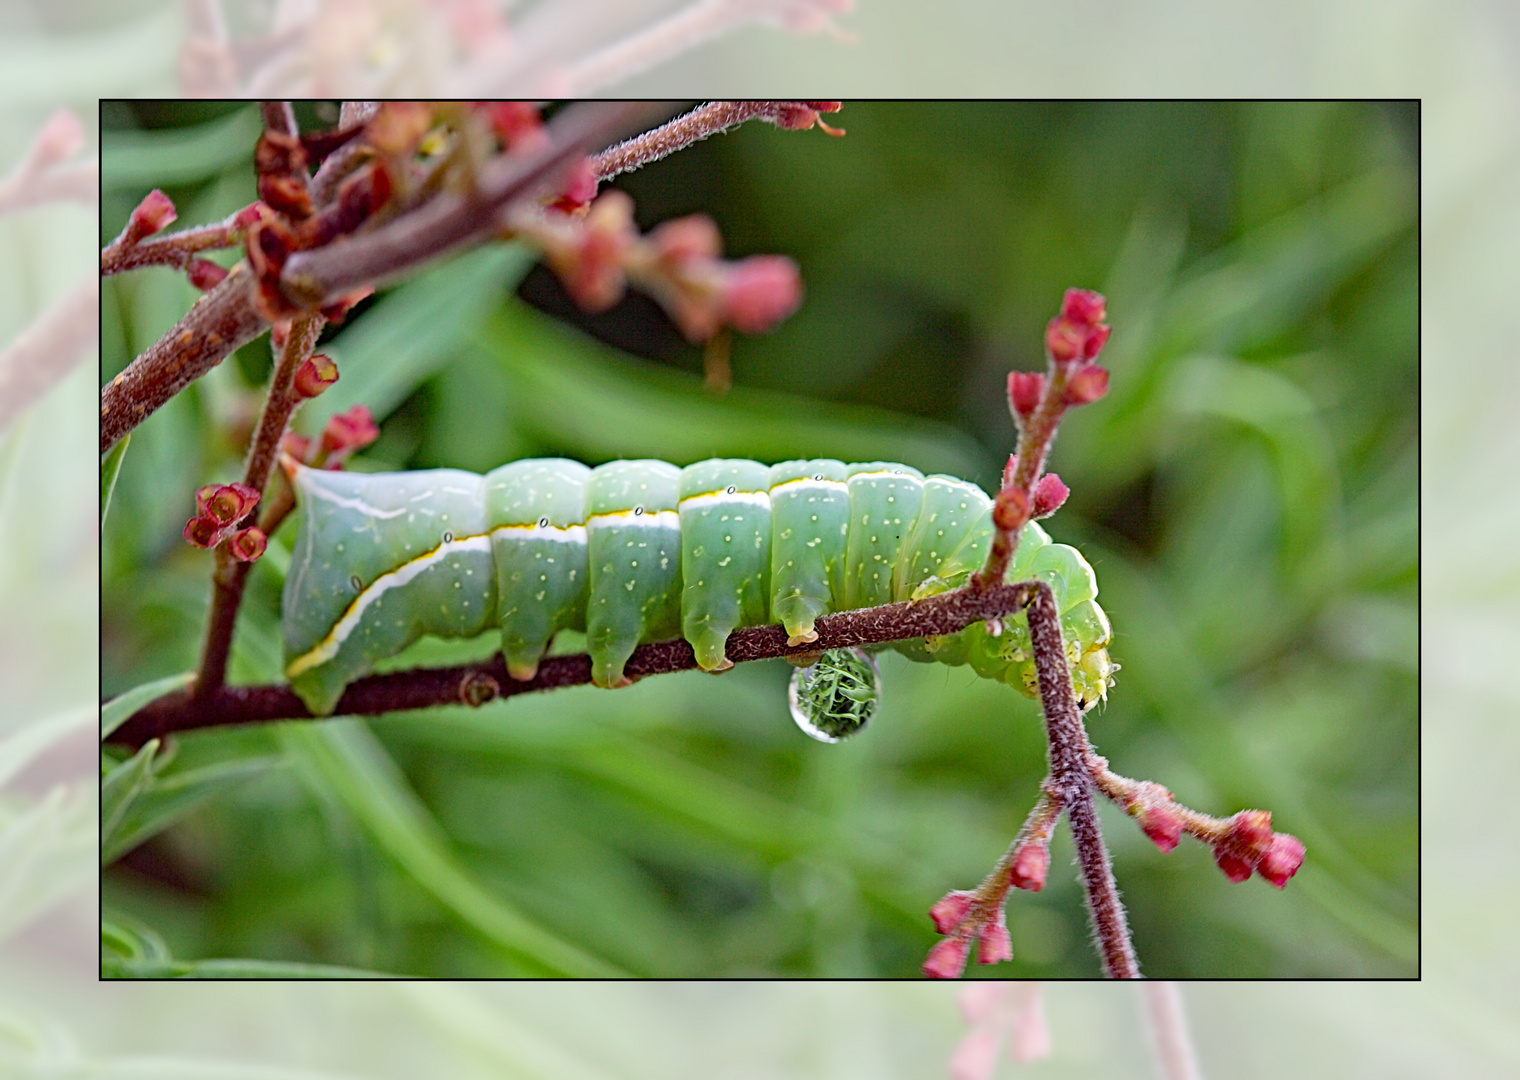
663,519
885,472
570,534
724,498
808,482
395,579
351,504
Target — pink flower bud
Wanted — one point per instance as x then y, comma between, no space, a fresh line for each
349,431
695,236
950,911
517,124
1251,830
1097,337
205,275
338,310
1025,389
1083,306
152,214
1285,854
995,945
947,959
760,291
1065,340
591,266
248,544
251,215
203,531
801,115
1235,868
316,373
1162,824
1049,493
1030,865
297,446
225,504
1087,385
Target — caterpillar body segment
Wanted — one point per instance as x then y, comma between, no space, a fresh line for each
636,551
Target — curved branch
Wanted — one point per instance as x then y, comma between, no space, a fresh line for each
478,683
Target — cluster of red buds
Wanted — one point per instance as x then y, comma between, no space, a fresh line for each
218,510
1073,339
343,435
1250,846
965,921
679,263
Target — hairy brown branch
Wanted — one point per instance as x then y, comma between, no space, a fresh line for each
171,249
454,220
704,121
221,321
475,684
1072,780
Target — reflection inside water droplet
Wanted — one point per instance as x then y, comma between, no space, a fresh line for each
836,696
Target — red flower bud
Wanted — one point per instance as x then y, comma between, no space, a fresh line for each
203,531
205,275
1235,868
251,215
950,911
1097,337
316,373
947,959
760,291
1025,389
1285,854
1083,306
152,214
995,945
349,431
1162,824
516,123
1030,865
801,115
61,137
579,188
1065,340
225,504
1251,830
1087,385
1049,493
338,310
248,544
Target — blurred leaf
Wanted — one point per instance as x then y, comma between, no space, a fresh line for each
230,969
349,763
414,329
120,786
147,159
585,397
109,468
45,853
171,797
120,709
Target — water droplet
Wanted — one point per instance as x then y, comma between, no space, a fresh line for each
836,696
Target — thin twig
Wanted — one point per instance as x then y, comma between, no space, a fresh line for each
48,349
1169,1031
171,249
947,613
230,575
704,121
1069,751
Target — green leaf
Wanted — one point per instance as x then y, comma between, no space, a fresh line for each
110,468
121,785
45,853
172,797
578,394
231,969
135,159
349,763
119,709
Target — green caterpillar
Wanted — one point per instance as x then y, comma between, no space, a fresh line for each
636,551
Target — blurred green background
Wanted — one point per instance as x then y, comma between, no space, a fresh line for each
1246,494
